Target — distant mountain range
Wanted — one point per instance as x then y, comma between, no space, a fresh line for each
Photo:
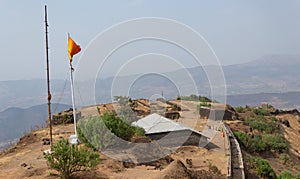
269,74
14,122
288,100
27,93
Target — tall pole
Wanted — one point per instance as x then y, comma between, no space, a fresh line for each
73,99
48,78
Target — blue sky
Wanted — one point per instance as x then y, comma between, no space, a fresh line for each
238,31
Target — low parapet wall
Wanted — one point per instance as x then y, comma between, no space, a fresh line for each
227,133
240,156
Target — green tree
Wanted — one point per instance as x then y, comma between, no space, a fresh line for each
67,159
264,169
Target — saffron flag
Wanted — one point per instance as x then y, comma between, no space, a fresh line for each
73,48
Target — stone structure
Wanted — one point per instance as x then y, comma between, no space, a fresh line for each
219,114
65,117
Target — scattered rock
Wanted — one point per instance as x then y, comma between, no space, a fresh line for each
189,162
286,123
129,163
281,112
158,167
23,165
46,141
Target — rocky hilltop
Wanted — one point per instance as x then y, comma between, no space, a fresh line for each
25,159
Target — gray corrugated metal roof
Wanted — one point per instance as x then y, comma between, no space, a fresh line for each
156,123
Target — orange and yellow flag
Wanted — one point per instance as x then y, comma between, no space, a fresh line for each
73,48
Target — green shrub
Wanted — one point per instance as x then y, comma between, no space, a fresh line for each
259,143
270,106
118,126
194,97
276,142
67,159
213,168
203,105
272,118
286,175
264,169
102,132
262,125
205,99
94,132
139,131
284,158
256,144
242,138
260,111
239,109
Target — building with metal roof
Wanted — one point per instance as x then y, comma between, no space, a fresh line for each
168,132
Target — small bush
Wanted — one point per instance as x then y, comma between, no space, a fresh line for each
260,143
254,144
194,97
67,159
284,159
213,168
261,111
286,175
242,138
262,125
94,133
276,142
139,131
272,118
239,109
102,132
264,169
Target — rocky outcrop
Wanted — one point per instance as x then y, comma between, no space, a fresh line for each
282,112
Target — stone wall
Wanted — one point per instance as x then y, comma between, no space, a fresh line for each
206,112
65,117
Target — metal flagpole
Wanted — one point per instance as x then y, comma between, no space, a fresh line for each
73,99
48,78
73,138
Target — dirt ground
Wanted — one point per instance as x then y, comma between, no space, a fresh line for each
25,160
